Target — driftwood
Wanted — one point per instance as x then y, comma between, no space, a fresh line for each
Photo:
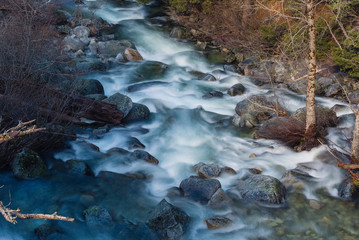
11,215
20,130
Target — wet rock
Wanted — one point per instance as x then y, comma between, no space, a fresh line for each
173,192
246,66
116,150
219,200
134,143
180,33
168,221
114,47
144,156
252,155
79,167
131,54
207,170
88,86
138,231
218,222
213,94
216,56
237,89
208,77
261,188
139,112
101,130
46,231
323,84
87,65
149,70
230,68
97,216
28,164
256,109
81,32
122,102
199,189
228,170
347,190
144,85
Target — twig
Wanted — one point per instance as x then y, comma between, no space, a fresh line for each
11,215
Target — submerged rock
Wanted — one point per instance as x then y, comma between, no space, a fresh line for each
199,189
79,167
28,164
237,89
218,222
122,102
97,216
144,156
149,70
261,188
168,221
213,94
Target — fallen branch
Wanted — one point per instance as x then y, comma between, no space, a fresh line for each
11,215
20,130
348,166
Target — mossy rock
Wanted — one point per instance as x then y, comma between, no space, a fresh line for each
28,164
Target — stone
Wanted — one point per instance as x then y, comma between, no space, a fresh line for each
253,155
131,54
88,65
71,43
97,216
44,231
149,70
228,170
333,91
134,143
261,188
114,47
230,68
347,190
218,222
199,189
325,117
144,156
122,102
28,164
208,170
219,200
315,204
81,32
237,89
139,112
79,167
180,33
168,221
208,77
213,94
88,86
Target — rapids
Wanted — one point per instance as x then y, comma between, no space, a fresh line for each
183,130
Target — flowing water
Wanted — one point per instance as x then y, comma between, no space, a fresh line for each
183,130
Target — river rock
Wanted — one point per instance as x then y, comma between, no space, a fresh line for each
213,94
228,170
323,85
88,86
180,33
139,112
168,221
237,89
81,32
199,189
97,216
144,156
122,102
70,43
132,55
134,143
114,47
347,190
207,170
256,109
218,222
261,188
79,167
208,77
150,70
219,200
88,65
28,164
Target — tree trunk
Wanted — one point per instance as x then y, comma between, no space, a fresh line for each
355,142
310,129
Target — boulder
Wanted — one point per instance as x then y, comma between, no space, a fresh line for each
347,190
150,70
138,112
99,97
114,47
168,221
79,167
132,55
144,156
28,164
81,32
199,189
207,170
237,89
218,222
97,216
123,103
88,65
256,109
88,86
261,188
213,94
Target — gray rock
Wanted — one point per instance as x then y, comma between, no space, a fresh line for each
73,44
114,47
207,170
81,32
219,200
99,97
122,102
199,189
88,86
237,89
131,54
144,156
299,86
348,191
231,68
28,164
213,94
138,112
323,84
97,216
79,167
325,117
208,77
168,221
88,65
333,90
150,70
134,143
218,222
179,33
261,188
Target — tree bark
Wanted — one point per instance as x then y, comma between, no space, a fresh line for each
310,130
355,142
